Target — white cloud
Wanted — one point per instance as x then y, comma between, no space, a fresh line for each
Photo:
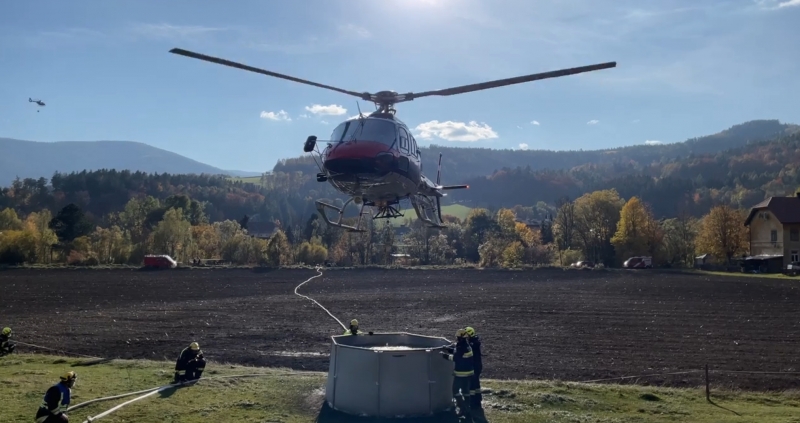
456,131
535,122
776,4
330,110
635,121
593,122
324,122
304,116
169,31
519,127
523,146
354,30
652,142
281,115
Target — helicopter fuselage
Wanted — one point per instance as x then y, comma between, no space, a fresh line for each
374,158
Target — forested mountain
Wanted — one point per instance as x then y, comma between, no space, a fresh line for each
739,177
30,159
460,164
693,183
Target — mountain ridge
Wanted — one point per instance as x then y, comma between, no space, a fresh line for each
36,159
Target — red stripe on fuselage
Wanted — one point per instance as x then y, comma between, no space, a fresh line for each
357,150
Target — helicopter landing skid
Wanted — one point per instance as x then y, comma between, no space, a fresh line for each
427,211
322,207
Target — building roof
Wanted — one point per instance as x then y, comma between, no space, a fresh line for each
785,209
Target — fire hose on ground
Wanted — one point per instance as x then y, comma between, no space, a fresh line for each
152,391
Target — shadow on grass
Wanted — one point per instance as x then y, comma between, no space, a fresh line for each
329,415
726,409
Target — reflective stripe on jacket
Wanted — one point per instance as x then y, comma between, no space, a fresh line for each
462,357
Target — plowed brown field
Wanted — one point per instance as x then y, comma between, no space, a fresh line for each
569,325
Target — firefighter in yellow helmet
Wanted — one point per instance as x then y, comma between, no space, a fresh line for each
6,346
56,400
190,364
353,330
464,369
477,360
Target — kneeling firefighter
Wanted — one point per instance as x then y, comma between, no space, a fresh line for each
6,346
464,370
190,364
56,400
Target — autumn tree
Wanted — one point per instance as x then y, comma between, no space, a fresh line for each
722,233
638,232
564,226
312,252
38,225
133,218
278,250
206,241
173,235
596,217
110,245
679,240
9,220
478,227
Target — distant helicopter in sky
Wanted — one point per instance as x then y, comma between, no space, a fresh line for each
39,102
375,159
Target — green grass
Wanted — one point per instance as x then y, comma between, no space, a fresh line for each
286,396
248,179
456,210
740,274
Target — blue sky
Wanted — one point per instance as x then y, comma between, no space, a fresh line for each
685,68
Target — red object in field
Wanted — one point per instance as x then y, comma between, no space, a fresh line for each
160,261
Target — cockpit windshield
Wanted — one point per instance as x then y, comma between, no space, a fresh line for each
378,130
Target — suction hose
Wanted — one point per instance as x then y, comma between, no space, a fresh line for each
148,392
56,350
318,269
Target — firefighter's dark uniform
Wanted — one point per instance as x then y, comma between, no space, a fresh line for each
6,346
462,374
475,389
56,401
190,364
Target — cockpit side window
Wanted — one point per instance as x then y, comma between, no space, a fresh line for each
377,130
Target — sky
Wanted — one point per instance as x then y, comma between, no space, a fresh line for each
684,69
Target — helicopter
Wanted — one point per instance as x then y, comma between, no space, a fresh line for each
374,159
39,102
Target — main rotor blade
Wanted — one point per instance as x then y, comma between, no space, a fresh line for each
182,52
516,80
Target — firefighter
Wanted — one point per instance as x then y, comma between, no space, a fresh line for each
6,346
56,400
190,364
475,388
353,330
464,370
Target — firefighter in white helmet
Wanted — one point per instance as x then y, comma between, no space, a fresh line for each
353,329
56,400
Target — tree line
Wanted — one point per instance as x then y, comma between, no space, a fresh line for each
599,226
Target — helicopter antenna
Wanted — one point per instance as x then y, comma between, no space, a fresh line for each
360,115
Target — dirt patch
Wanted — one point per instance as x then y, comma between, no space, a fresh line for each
545,324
